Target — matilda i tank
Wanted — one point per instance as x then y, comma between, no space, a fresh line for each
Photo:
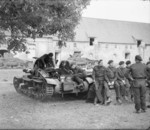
44,83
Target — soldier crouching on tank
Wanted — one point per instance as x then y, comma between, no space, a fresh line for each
48,61
64,68
99,77
79,76
44,62
122,82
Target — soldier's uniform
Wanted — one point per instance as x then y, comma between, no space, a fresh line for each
64,68
129,78
78,75
110,79
139,74
148,79
99,76
122,81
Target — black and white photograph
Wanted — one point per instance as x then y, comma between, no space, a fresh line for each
75,64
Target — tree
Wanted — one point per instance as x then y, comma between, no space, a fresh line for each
35,18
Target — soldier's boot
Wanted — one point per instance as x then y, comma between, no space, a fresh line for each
132,98
108,101
119,101
95,101
80,86
126,98
143,111
137,111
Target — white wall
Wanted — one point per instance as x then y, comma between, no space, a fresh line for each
105,51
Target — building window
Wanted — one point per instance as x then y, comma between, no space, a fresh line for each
127,55
126,46
75,44
115,45
92,41
106,45
130,46
139,43
77,53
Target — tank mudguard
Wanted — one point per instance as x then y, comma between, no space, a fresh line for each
86,86
52,81
89,80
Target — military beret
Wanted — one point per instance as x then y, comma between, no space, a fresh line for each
100,61
110,61
148,63
128,62
121,62
50,54
138,57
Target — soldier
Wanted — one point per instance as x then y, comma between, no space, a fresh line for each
110,77
122,81
78,75
48,60
148,80
65,68
99,77
148,61
139,75
148,74
129,78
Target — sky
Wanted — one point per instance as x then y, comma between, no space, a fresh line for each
124,10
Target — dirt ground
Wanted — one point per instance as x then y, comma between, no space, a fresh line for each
18,111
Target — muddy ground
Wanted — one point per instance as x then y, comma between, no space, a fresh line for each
18,111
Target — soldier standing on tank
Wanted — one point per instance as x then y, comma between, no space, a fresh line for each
139,75
122,81
110,79
99,77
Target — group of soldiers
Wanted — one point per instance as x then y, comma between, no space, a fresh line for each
129,81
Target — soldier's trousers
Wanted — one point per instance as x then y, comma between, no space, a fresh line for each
91,93
99,86
131,88
78,78
139,88
106,89
123,90
117,90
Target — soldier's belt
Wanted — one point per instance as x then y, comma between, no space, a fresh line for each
140,78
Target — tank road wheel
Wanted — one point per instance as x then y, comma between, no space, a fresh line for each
16,83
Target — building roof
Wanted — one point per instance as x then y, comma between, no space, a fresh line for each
112,31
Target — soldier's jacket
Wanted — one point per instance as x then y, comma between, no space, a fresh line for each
121,73
78,70
128,74
99,72
111,74
139,70
148,72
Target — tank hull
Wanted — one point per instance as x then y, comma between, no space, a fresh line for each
42,87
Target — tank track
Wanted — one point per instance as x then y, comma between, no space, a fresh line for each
44,92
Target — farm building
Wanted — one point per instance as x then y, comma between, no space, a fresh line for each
98,39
